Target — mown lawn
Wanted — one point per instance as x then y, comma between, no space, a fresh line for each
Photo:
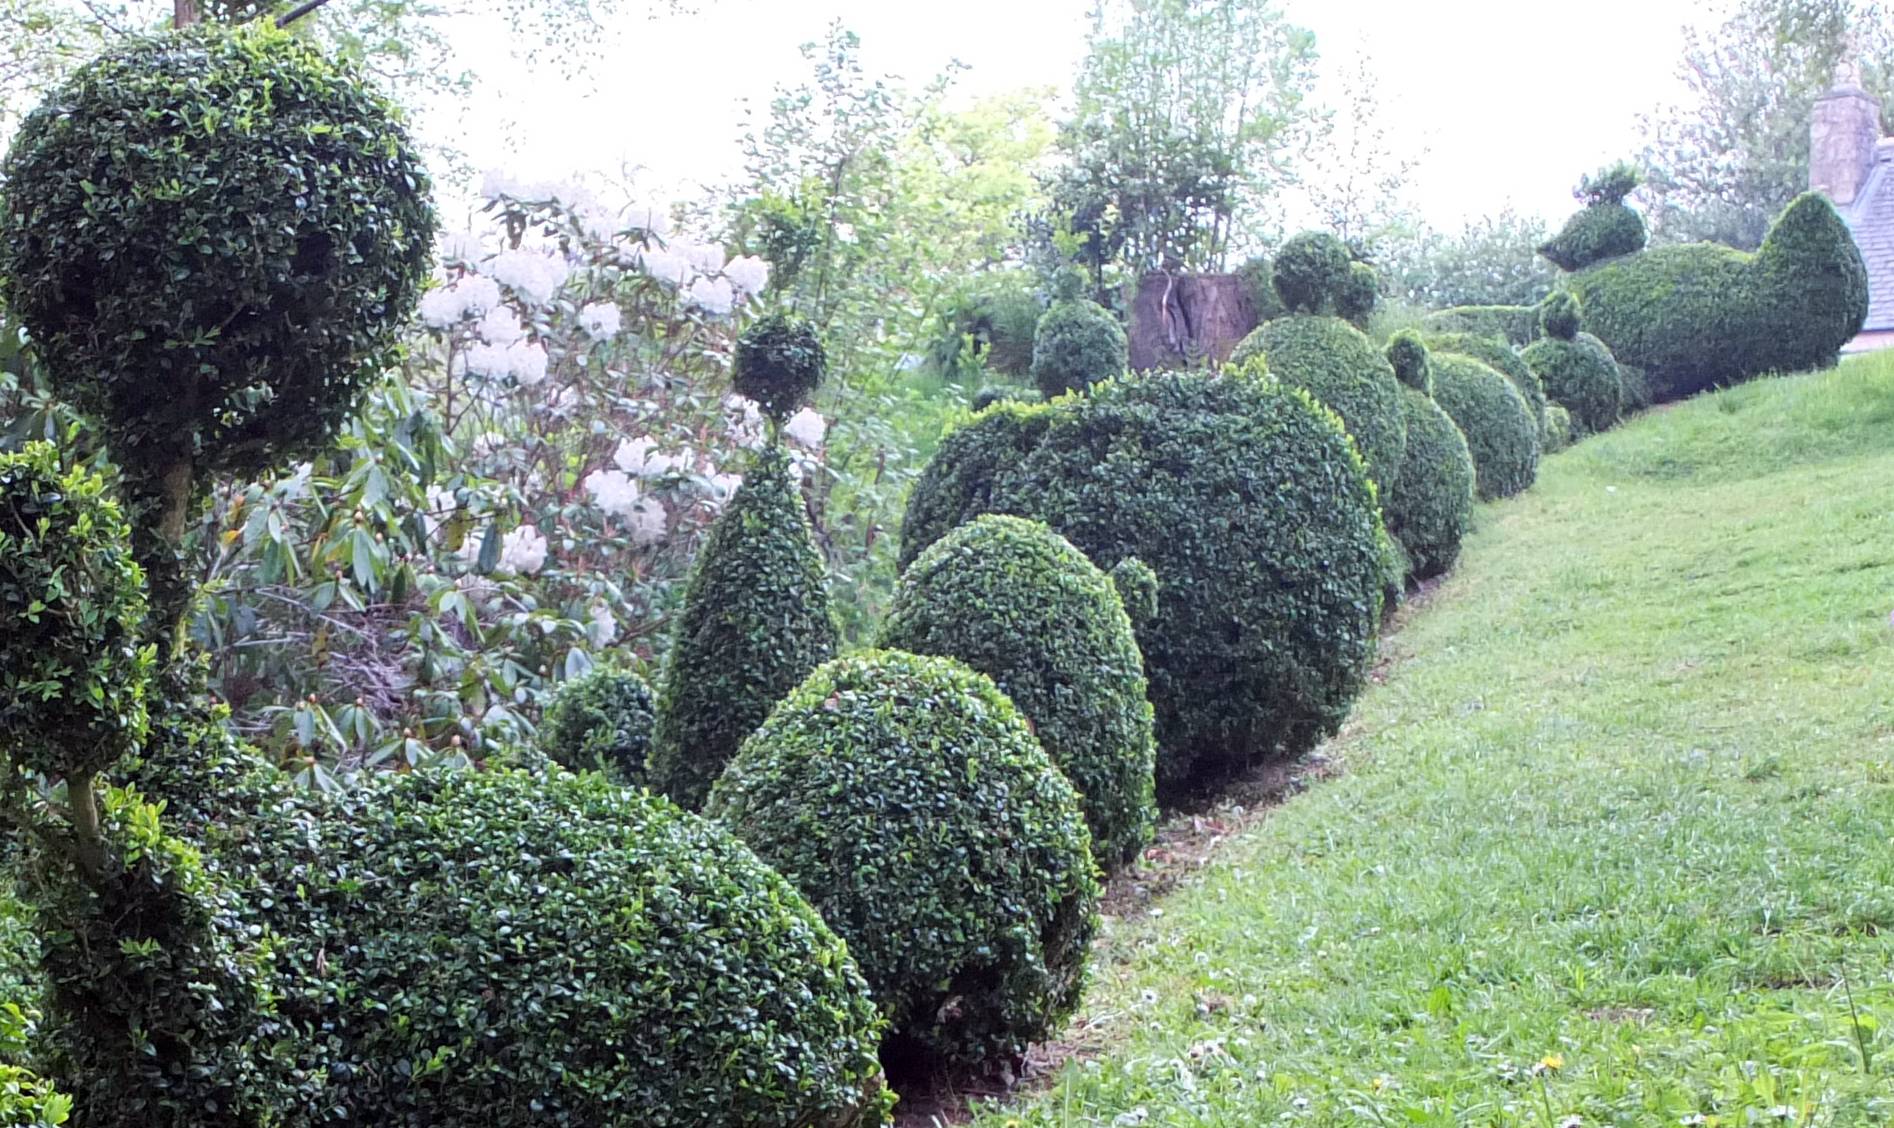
1615,843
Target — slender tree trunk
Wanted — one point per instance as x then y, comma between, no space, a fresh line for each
83,801
184,13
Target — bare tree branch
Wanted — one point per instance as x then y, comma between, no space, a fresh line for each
298,12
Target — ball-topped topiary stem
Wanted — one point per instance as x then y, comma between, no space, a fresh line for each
779,363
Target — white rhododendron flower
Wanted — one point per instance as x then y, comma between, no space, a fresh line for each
665,266
462,246
603,628
601,321
807,428
442,308
522,551
530,274
649,218
478,294
749,274
612,490
648,522
722,488
744,423
706,257
489,361
527,363
501,326
639,458
714,295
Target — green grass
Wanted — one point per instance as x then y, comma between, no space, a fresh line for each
1626,799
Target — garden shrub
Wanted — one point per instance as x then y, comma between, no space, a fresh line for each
1696,315
988,325
1078,343
1247,500
957,482
1604,228
779,363
1516,325
1431,506
26,1101
1635,385
1310,272
1258,279
909,800
601,721
756,620
1355,299
1502,358
1000,393
1578,374
1500,431
1340,366
1407,355
1557,433
1015,601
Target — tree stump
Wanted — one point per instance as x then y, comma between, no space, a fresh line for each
1188,320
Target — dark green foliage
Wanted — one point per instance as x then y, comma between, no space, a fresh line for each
1344,369
1431,507
1597,233
1356,297
999,393
1137,589
1636,385
756,620
1609,185
1407,355
908,799
779,363
957,482
988,325
1698,315
1517,325
1556,435
1311,271
1015,601
1580,376
72,606
1252,507
1558,315
502,950
1503,358
26,1101
214,238
1077,344
1500,431
1259,285
601,721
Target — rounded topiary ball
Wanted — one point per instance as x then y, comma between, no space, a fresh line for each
1407,355
1499,428
909,800
1339,365
601,721
214,237
1357,296
957,482
1431,506
1311,271
1015,601
779,363
1496,353
72,603
1579,374
1077,344
1558,428
1558,315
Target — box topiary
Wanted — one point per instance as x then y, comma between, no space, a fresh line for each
908,799
1579,374
1431,507
1015,601
1310,272
1696,315
1557,433
1604,228
756,620
1340,366
957,482
1249,502
1077,344
1501,357
779,363
1516,325
601,721
1499,428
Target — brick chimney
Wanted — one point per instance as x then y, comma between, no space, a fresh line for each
1842,137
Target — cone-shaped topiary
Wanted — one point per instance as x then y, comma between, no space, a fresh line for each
1493,416
1251,505
1431,507
1339,365
1077,344
1579,375
1015,601
756,620
908,799
1407,355
779,363
601,721
1311,272
957,482
1502,358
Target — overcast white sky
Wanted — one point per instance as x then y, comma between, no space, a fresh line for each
1510,99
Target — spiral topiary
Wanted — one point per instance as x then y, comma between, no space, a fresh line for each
1015,601
1431,507
1250,504
958,481
779,363
908,799
1077,344
1340,366
601,721
756,620
1499,428
1310,271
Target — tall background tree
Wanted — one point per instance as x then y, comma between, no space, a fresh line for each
1732,154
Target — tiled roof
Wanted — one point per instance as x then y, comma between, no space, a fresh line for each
1871,217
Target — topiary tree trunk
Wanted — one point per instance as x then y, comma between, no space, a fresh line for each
1188,320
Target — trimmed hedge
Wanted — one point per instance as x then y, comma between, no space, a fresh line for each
908,799
779,363
957,483
1431,507
1077,344
1311,271
1516,325
1500,431
1358,295
756,620
1500,357
1247,499
1557,433
1598,232
1340,366
1015,601
1581,377
1635,384
601,721
1698,315
1258,278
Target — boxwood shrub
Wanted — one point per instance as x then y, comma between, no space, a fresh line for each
1014,600
1311,271
1340,366
1431,506
1078,343
779,363
1557,433
1498,426
601,721
1249,502
1696,315
756,620
1580,375
908,799
1516,325
1501,357
1598,232
957,483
